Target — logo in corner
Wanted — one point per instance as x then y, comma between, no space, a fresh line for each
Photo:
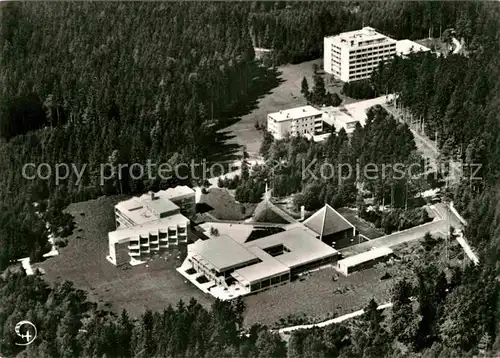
27,331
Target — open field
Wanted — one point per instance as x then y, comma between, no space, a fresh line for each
317,296
362,226
285,95
220,203
83,261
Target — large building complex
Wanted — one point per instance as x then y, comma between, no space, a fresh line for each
353,55
295,121
242,268
150,224
232,264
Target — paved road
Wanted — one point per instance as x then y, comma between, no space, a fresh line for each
213,181
458,45
428,148
424,145
288,330
435,227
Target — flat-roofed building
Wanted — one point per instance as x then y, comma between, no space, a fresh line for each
295,121
135,243
366,259
407,47
353,55
183,196
339,118
150,224
216,258
248,267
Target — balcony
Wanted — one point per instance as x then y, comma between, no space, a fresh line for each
133,247
134,254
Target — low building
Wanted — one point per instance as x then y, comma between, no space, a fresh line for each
353,55
235,268
339,119
295,121
366,259
406,47
150,224
331,227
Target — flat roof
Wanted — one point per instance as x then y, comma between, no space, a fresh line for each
357,110
122,235
303,245
295,113
222,252
405,47
338,118
178,191
363,35
268,267
144,209
237,232
372,254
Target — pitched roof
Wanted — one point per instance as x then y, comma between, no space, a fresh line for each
327,221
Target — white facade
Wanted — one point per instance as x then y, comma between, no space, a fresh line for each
296,121
365,259
150,224
338,118
353,55
406,47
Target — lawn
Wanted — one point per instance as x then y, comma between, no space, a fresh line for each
317,296
220,203
285,95
83,261
362,226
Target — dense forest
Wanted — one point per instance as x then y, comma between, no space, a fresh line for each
112,83
333,171
91,83
295,30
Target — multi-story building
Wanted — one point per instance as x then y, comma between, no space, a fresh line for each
295,121
150,224
353,55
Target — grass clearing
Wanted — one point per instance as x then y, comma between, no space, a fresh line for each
362,226
220,203
317,296
154,285
285,95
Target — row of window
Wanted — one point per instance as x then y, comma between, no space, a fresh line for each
391,45
358,64
372,55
